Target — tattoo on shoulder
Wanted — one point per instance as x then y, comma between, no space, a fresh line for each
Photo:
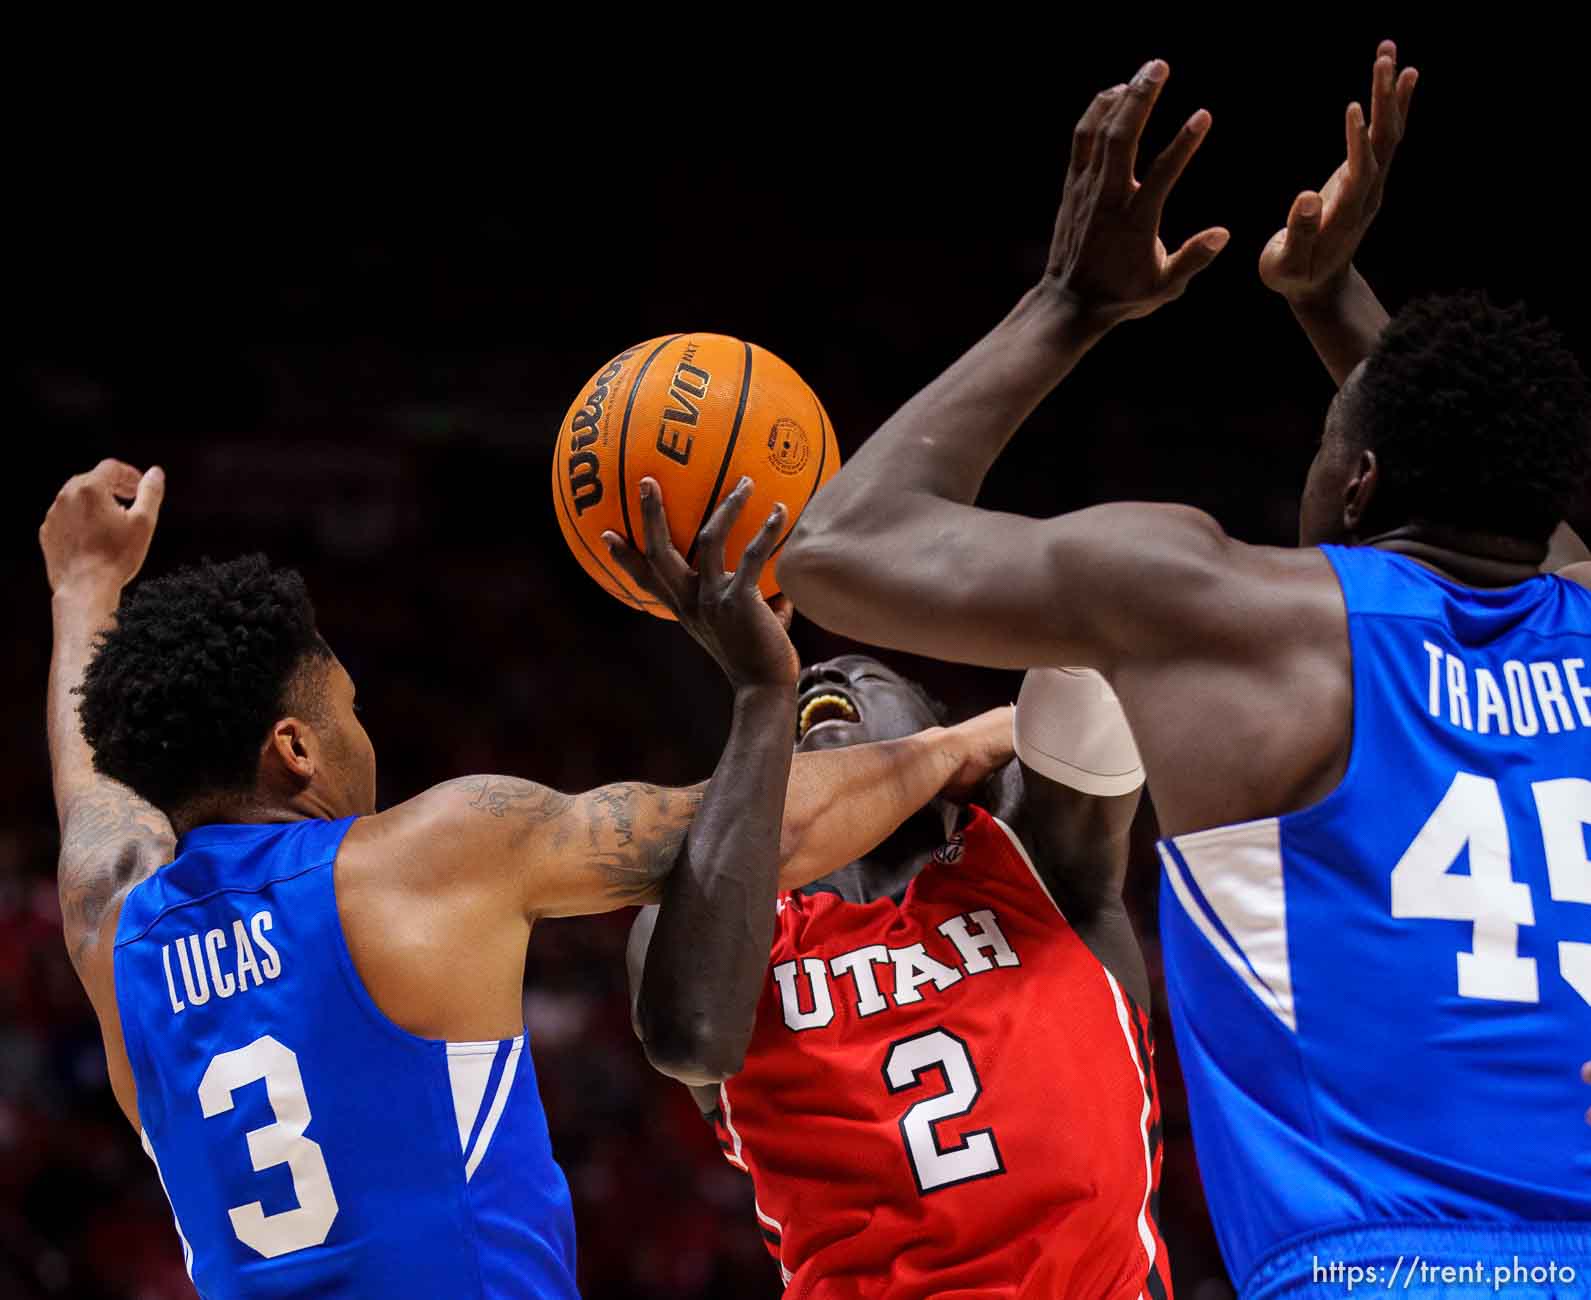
504,796
110,840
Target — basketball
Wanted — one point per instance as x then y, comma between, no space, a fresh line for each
695,412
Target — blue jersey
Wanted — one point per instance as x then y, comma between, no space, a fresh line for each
1382,1002
307,1144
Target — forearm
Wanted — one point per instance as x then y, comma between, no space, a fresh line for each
78,617
843,803
893,506
709,948
1343,325
943,441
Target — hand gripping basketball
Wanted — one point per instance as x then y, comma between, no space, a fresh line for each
722,610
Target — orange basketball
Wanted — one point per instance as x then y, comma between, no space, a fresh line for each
695,412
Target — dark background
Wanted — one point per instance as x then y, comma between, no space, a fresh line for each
349,334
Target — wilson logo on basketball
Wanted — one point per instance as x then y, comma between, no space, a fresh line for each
787,447
585,482
689,382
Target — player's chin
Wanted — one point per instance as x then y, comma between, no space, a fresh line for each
832,735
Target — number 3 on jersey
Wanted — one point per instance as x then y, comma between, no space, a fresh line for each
935,1166
281,1143
1471,814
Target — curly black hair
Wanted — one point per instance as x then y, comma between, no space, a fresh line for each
1479,416
185,686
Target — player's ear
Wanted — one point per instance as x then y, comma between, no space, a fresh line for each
291,755
1360,489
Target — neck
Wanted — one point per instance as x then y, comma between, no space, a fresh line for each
1474,559
253,808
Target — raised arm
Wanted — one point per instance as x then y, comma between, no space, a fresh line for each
93,547
1310,261
892,552
707,943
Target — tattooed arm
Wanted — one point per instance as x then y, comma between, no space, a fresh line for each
110,838
614,846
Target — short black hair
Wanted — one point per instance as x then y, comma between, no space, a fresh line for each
185,686
1478,414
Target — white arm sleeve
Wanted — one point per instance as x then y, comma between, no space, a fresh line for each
1070,728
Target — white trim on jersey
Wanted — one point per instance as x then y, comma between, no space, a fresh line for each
1142,1067
1017,844
764,1217
499,1101
469,1067
187,1250
733,1157
1238,872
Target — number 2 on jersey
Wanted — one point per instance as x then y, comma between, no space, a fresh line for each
1471,814
934,1166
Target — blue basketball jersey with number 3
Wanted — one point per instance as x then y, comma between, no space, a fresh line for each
309,1146
1382,1002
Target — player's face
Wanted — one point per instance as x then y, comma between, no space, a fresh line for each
1320,509
853,699
350,758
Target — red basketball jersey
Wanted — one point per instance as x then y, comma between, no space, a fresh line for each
949,1096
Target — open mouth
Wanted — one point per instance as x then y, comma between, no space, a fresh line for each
825,705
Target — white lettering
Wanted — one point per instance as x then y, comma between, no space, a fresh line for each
972,945
1490,703
1520,705
177,1003
247,965
1581,692
1435,700
859,966
259,923
1457,694
914,967
1549,690
224,984
822,1004
200,996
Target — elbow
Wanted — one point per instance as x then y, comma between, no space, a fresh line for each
693,1051
812,566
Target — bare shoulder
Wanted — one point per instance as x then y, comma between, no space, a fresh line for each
452,822
1182,585
556,854
1577,573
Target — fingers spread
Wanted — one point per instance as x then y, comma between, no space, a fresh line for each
1165,170
634,564
1194,256
667,562
710,541
1125,126
1085,136
748,572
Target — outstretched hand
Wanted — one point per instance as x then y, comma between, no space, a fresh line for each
1312,255
1107,254
723,611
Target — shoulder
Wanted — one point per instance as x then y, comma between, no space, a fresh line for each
1579,574
1170,579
